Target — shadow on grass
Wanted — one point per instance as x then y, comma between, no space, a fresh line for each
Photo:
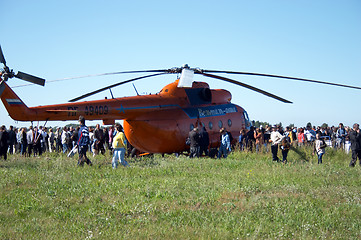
300,153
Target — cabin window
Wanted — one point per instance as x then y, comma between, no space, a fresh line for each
191,127
210,125
220,124
229,122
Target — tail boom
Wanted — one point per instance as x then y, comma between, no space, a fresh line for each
16,108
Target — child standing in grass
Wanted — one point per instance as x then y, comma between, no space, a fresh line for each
320,146
285,147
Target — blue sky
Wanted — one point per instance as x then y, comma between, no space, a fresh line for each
308,39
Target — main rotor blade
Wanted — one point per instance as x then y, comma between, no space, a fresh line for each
2,58
246,86
106,74
94,75
284,77
115,73
30,78
114,85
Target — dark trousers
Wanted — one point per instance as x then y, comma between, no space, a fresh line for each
203,149
23,148
355,154
30,149
82,156
37,149
284,155
249,145
12,148
319,155
58,146
3,152
274,150
194,152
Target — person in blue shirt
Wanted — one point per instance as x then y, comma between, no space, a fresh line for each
225,147
241,139
340,136
83,142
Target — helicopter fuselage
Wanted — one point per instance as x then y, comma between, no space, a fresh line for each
157,123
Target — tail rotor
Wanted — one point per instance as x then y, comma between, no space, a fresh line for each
8,73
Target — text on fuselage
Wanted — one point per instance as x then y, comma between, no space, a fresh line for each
90,110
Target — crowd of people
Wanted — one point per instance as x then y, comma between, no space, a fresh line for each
277,138
36,140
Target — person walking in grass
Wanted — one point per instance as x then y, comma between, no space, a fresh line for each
83,142
119,146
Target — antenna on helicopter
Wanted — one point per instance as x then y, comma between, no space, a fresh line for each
111,93
135,89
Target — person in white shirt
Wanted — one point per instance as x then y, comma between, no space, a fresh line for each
51,140
64,139
275,139
310,134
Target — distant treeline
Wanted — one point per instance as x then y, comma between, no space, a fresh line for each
257,124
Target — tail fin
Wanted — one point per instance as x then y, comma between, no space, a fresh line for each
13,104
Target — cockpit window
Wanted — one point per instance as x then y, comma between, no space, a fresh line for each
247,121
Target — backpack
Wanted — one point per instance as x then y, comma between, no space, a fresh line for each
323,145
84,137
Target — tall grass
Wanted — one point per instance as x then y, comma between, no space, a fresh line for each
246,196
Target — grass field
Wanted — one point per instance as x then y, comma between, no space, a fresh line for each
246,196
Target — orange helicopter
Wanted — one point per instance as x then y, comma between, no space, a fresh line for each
157,123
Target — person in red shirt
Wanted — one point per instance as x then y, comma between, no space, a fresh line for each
301,137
